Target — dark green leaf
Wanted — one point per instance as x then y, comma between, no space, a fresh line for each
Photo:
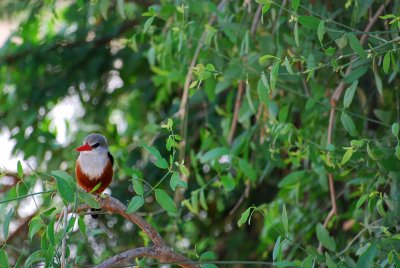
323,236
285,219
329,261
349,95
386,62
208,256
321,30
136,203
361,201
293,178
295,5
6,223
160,161
395,129
248,170
348,124
228,183
309,22
356,45
288,66
104,4
277,251
165,201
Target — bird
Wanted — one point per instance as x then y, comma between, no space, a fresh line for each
94,166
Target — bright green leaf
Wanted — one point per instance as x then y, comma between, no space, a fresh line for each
4,259
248,170
395,129
137,184
20,170
104,4
64,186
88,199
295,5
136,203
165,201
347,155
361,201
273,76
285,219
245,216
288,66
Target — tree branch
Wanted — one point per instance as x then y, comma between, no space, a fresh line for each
159,251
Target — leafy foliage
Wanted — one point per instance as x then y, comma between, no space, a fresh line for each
237,173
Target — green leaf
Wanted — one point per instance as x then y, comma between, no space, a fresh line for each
293,178
137,184
329,261
82,226
348,124
379,208
34,226
395,129
321,31
349,95
361,201
104,4
165,201
264,58
203,201
147,24
398,151
228,183
50,232
176,181
295,5
296,33
136,203
356,45
288,66
277,251
208,256
121,8
248,170
245,216
263,89
378,80
214,154
6,223
20,170
273,76
88,199
64,186
386,62
323,236
160,161
371,153
347,155
309,22
285,219
266,7
4,259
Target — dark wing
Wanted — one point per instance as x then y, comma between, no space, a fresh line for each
111,158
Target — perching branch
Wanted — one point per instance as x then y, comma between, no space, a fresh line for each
159,251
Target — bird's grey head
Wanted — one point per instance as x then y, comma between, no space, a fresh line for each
94,143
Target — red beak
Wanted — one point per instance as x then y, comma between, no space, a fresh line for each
84,147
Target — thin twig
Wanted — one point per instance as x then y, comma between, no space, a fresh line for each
236,111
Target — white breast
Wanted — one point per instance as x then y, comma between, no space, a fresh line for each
93,164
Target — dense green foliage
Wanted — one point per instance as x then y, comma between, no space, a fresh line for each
247,159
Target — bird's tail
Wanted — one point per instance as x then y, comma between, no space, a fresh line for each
93,212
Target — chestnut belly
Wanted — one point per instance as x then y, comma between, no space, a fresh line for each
88,183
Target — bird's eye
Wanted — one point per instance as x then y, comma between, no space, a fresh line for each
95,145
